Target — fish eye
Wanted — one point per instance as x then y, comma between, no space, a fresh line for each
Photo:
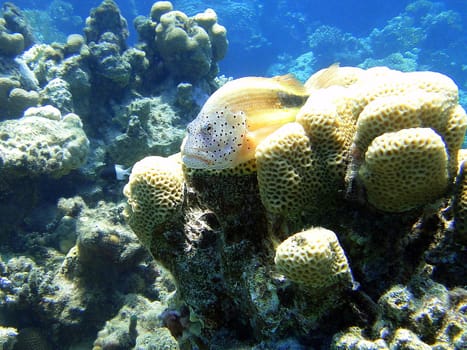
207,127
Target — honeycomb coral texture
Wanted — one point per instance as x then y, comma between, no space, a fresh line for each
285,155
396,134
405,169
155,193
313,258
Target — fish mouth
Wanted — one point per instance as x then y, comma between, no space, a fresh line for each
196,160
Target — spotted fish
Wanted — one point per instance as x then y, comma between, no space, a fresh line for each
237,117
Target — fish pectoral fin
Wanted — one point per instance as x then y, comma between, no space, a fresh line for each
271,119
254,138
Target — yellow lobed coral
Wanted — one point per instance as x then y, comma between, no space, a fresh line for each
351,107
328,118
154,193
286,174
395,100
405,169
314,259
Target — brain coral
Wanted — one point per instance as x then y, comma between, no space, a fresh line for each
313,258
155,193
392,101
35,145
405,169
286,155
349,107
328,118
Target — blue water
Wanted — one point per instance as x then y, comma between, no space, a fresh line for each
262,31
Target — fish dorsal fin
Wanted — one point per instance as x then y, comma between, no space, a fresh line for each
323,78
291,84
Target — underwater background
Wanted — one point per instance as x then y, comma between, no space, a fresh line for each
169,257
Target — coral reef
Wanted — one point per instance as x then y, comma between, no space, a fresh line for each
137,324
15,34
422,315
188,48
106,18
154,193
64,286
152,126
219,243
37,145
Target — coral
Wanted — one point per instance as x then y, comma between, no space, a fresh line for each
405,169
102,242
57,93
286,154
189,47
8,336
105,19
185,53
11,44
314,259
393,100
330,44
136,324
220,240
18,87
328,118
217,33
15,22
416,316
88,285
106,32
405,62
404,338
74,43
151,127
350,107
301,67
353,338
15,34
19,100
34,145
47,111
108,61
155,194
159,8
32,338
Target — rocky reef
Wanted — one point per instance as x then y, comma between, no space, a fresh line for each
370,164
70,111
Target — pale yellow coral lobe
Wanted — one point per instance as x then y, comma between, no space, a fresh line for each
154,194
314,259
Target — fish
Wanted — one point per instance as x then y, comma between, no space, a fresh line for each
115,172
27,75
237,117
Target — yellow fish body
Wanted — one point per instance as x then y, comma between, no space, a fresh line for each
237,117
